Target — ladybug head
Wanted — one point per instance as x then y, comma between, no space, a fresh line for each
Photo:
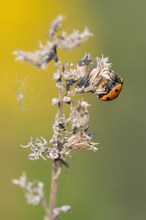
112,89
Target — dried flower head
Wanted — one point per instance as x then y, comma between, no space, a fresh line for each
72,40
34,191
41,149
79,116
41,57
104,81
78,74
64,208
38,148
80,140
100,79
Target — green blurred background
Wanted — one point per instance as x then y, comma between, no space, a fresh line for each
109,184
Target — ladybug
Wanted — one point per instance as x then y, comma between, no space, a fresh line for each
112,89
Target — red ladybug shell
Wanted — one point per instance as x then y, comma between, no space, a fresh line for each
112,94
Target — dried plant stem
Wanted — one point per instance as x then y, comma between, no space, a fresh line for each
56,166
60,93
56,170
46,208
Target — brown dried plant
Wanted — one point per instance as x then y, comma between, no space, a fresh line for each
87,76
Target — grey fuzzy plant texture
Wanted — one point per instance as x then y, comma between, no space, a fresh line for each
71,132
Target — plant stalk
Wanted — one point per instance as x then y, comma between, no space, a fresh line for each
56,169
56,166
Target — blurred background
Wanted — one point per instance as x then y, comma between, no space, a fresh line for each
109,184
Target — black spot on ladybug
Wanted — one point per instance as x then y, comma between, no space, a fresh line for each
116,90
108,99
